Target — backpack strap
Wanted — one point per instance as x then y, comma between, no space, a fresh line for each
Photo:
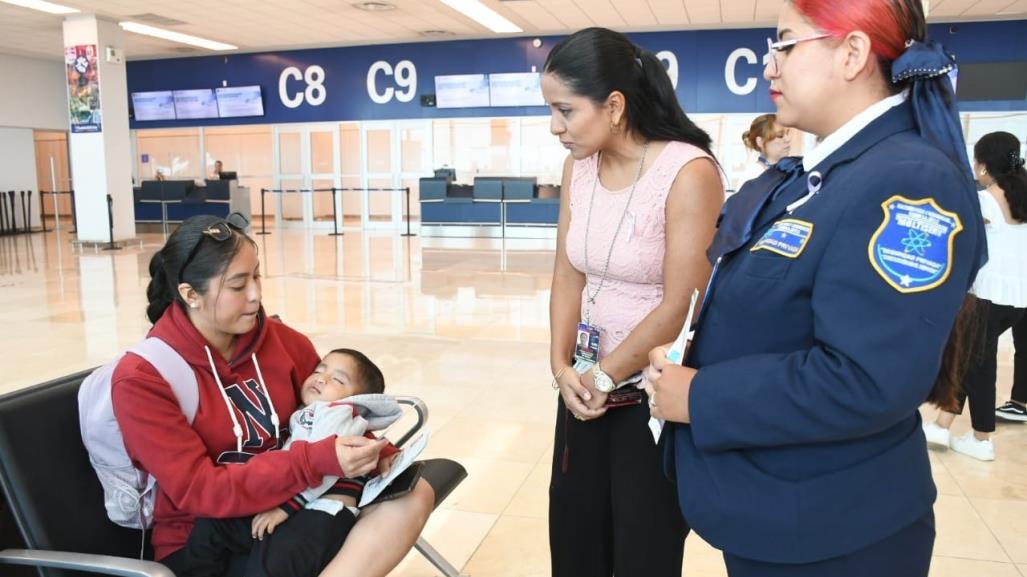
173,369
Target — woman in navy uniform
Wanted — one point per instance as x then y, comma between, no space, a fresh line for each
794,434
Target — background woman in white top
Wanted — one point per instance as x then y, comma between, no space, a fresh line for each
1001,288
769,140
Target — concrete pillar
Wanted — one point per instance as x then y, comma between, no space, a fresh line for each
101,156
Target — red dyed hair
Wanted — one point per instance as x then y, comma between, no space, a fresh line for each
888,23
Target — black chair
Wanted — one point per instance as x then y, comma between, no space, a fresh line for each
54,499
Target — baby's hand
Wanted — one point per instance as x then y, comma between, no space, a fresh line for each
385,463
265,523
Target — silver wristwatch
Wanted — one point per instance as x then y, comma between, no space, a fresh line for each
603,382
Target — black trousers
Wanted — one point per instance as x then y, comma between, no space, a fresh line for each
1020,361
979,383
904,554
301,546
611,509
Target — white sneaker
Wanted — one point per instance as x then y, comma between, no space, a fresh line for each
972,447
936,434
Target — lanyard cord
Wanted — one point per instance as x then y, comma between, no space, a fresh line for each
590,297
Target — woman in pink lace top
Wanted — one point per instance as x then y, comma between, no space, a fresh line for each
633,201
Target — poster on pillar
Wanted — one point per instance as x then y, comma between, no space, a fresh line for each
83,88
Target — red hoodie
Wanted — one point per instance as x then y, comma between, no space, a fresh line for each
184,459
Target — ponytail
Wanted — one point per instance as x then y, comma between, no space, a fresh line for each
189,256
159,293
1014,184
763,126
658,114
999,152
596,62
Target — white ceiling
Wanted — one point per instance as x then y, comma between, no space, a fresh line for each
256,25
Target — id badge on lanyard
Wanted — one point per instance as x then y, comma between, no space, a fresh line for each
586,346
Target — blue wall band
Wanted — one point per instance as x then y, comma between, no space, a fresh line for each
719,71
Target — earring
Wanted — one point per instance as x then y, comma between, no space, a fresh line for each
193,305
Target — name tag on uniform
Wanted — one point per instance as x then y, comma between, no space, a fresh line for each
787,237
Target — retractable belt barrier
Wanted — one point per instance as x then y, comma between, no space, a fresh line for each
335,215
56,212
10,209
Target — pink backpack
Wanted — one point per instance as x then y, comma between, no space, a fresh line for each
128,492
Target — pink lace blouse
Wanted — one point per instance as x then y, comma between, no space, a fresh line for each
634,281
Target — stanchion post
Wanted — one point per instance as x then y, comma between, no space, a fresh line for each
3,213
74,211
14,212
263,214
408,233
110,224
335,215
24,213
42,211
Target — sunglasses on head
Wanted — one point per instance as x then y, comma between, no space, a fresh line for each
220,230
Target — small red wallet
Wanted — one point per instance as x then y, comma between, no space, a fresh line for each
624,397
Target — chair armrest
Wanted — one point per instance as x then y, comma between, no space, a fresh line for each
422,417
103,564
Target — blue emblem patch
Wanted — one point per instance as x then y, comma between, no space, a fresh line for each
787,237
912,249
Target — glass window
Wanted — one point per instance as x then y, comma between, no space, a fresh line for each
379,150
322,152
173,151
349,142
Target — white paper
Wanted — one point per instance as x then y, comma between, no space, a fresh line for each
330,506
656,426
375,486
676,355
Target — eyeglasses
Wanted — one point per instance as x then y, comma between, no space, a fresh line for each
220,231
785,46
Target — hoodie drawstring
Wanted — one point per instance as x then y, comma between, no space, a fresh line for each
228,404
274,413
236,428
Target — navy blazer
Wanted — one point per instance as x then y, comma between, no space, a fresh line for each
814,352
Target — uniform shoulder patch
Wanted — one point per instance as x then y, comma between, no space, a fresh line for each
912,249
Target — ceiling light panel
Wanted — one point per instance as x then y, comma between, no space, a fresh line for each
483,15
42,6
176,36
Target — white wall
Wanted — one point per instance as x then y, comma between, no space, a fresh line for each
18,171
35,93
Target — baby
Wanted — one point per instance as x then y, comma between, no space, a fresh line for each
344,396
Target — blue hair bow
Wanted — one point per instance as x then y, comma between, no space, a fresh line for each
928,65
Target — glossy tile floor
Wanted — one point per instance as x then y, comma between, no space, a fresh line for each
462,324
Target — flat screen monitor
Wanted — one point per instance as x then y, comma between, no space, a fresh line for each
191,104
516,89
992,81
488,188
448,173
462,91
237,101
158,105
228,175
519,188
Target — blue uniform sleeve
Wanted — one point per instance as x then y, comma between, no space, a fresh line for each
875,351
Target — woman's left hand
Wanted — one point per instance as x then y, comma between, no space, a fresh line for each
668,385
598,399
